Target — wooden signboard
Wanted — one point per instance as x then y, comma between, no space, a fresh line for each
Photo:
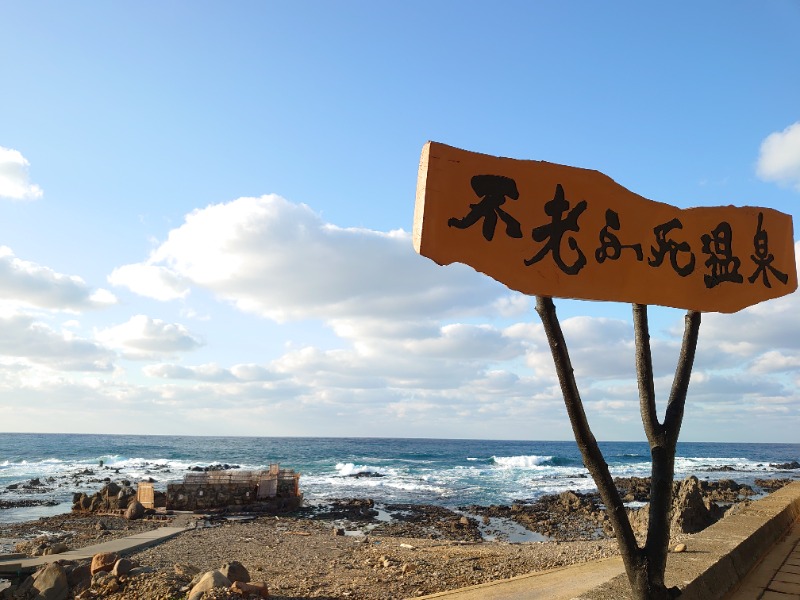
553,230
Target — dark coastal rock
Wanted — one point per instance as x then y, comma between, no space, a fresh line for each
26,503
214,467
633,489
235,571
366,474
770,485
786,466
355,509
112,489
135,510
726,490
433,522
690,512
566,516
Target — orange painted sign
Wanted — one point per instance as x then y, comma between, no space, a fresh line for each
552,230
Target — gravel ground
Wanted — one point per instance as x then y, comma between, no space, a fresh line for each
303,557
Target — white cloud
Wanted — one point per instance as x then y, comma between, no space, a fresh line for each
779,157
14,183
209,372
25,340
776,361
29,284
767,326
142,337
150,281
282,261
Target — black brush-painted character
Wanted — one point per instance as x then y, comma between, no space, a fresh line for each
763,258
610,246
493,191
555,231
671,247
724,265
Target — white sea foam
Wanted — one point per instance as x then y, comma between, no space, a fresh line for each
349,469
521,462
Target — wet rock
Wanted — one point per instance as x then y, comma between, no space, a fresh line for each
770,485
786,466
364,474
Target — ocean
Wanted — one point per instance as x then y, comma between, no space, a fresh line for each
445,472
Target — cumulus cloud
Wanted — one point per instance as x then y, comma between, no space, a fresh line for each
760,328
30,284
142,337
245,373
280,260
150,280
779,157
26,340
14,182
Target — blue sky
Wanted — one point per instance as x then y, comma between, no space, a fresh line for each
205,212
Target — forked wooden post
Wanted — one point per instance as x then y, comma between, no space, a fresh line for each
645,566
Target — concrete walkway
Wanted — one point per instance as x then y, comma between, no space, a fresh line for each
121,546
777,576
556,584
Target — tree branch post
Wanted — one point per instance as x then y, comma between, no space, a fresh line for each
645,567
632,555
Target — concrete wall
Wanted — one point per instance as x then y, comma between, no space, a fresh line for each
720,556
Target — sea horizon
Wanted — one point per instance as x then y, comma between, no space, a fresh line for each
441,471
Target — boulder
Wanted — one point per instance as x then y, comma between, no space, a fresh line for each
690,513
51,583
235,571
209,581
135,510
104,561
111,490
256,588
79,577
122,567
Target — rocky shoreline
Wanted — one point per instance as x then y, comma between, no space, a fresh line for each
357,549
